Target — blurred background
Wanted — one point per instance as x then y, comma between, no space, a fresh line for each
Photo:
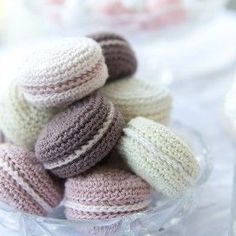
232,4
160,29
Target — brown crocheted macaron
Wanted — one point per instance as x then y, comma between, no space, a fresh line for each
79,137
119,56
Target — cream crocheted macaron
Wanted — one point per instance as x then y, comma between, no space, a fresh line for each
20,121
159,156
63,71
134,98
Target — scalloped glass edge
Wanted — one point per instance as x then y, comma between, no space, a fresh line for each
162,214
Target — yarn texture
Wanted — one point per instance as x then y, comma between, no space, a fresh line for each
63,72
78,138
134,98
119,56
159,156
104,193
24,184
20,121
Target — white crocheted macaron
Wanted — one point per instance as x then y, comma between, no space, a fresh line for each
20,121
134,98
63,71
159,156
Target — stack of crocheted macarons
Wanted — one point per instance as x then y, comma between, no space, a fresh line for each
74,111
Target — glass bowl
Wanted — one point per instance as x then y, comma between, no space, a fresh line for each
162,214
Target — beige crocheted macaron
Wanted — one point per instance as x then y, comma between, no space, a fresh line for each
20,121
159,156
134,98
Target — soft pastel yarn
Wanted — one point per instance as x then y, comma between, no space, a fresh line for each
103,193
134,98
159,156
81,136
119,56
20,121
63,72
24,184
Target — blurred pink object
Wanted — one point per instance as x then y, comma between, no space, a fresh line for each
164,13
159,5
149,14
56,2
114,7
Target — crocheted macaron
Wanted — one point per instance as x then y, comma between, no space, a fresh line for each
79,137
159,156
20,121
24,184
119,56
63,72
134,98
104,193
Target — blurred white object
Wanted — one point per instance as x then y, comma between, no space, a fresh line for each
205,50
124,15
230,107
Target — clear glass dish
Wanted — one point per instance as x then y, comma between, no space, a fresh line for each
161,216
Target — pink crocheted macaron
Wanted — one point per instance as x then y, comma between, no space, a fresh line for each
79,137
63,72
24,184
105,192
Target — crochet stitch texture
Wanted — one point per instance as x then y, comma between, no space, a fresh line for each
105,192
79,137
134,98
159,156
24,184
20,121
119,56
63,72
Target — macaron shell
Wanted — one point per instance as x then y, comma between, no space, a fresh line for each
25,184
104,193
134,98
63,72
20,121
81,136
167,142
159,156
12,194
119,56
